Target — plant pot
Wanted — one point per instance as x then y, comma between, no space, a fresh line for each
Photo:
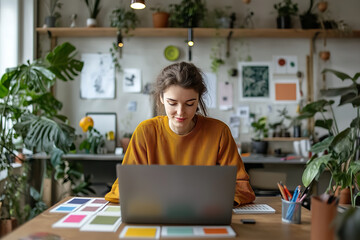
309,21
283,22
50,21
91,22
322,216
7,226
160,19
344,195
297,131
324,55
259,147
125,143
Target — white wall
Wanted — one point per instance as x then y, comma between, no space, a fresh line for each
147,54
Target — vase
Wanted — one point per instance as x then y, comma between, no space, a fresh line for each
322,216
91,22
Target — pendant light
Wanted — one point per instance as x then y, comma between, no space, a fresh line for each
137,4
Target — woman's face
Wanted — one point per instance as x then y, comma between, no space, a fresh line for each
180,107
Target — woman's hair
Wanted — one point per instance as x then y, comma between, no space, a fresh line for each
182,74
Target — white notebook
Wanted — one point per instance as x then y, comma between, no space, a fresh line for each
254,209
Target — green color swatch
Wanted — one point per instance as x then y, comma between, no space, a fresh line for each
106,220
180,231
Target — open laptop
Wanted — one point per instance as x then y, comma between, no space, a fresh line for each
173,194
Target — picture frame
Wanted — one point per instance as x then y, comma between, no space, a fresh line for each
255,81
286,91
132,80
97,76
104,122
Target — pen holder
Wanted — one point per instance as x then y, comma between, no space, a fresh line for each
291,212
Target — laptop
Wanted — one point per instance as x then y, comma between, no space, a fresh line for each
173,194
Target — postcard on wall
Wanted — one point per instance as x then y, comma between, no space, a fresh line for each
286,91
132,80
210,96
285,64
254,80
97,76
225,95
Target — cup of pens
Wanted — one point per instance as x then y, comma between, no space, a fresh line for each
291,211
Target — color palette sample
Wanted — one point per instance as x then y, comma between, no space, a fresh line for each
111,210
102,223
65,208
72,220
80,201
140,232
197,231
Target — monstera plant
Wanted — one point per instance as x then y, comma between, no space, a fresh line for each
30,112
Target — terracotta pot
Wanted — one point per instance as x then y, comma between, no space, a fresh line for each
324,55
125,143
344,195
7,226
160,19
322,6
322,216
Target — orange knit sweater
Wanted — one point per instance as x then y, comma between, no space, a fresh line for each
209,143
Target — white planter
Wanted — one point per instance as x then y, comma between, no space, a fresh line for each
91,22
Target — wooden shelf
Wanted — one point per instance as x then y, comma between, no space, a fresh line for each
198,32
284,139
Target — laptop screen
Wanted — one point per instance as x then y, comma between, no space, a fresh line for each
172,194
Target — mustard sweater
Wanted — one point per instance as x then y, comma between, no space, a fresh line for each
209,143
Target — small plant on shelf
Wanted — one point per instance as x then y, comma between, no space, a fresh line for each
187,14
285,10
94,9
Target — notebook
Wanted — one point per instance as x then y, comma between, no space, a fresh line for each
172,194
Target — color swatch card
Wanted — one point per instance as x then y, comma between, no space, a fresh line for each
102,223
65,208
196,231
78,200
140,232
98,201
89,208
110,211
72,220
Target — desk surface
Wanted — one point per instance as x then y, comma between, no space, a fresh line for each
268,226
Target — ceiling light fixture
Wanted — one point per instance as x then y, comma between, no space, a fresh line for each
137,4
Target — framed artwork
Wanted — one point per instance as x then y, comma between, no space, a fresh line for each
132,80
104,122
97,76
285,64
255,80
286,91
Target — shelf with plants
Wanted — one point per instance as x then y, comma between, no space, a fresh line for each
198,32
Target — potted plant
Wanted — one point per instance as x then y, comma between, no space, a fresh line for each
52,6
187,14
341,148
41,129
260,131
123,20
160,17
94,141
308,19
94,9
285,10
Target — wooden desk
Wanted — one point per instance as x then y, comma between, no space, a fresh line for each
268,226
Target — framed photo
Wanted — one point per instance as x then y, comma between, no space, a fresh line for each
132,80
255,80
104,122
286,91
97,76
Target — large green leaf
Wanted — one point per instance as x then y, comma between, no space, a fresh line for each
341,75
314,169
46,102
332,92
342,142
322,146
327,124
62,62
314,107
43,134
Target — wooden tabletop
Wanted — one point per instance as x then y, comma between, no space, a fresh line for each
268,226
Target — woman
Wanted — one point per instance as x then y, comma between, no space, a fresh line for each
185,136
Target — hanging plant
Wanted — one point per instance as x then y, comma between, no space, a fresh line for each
124,20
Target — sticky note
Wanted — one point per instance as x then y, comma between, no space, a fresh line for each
140,232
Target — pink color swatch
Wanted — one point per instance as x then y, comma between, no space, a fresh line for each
75,218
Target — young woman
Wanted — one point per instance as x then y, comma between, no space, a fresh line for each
184,136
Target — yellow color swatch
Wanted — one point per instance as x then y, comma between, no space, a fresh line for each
140,232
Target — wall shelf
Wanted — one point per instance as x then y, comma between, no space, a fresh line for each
198,32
